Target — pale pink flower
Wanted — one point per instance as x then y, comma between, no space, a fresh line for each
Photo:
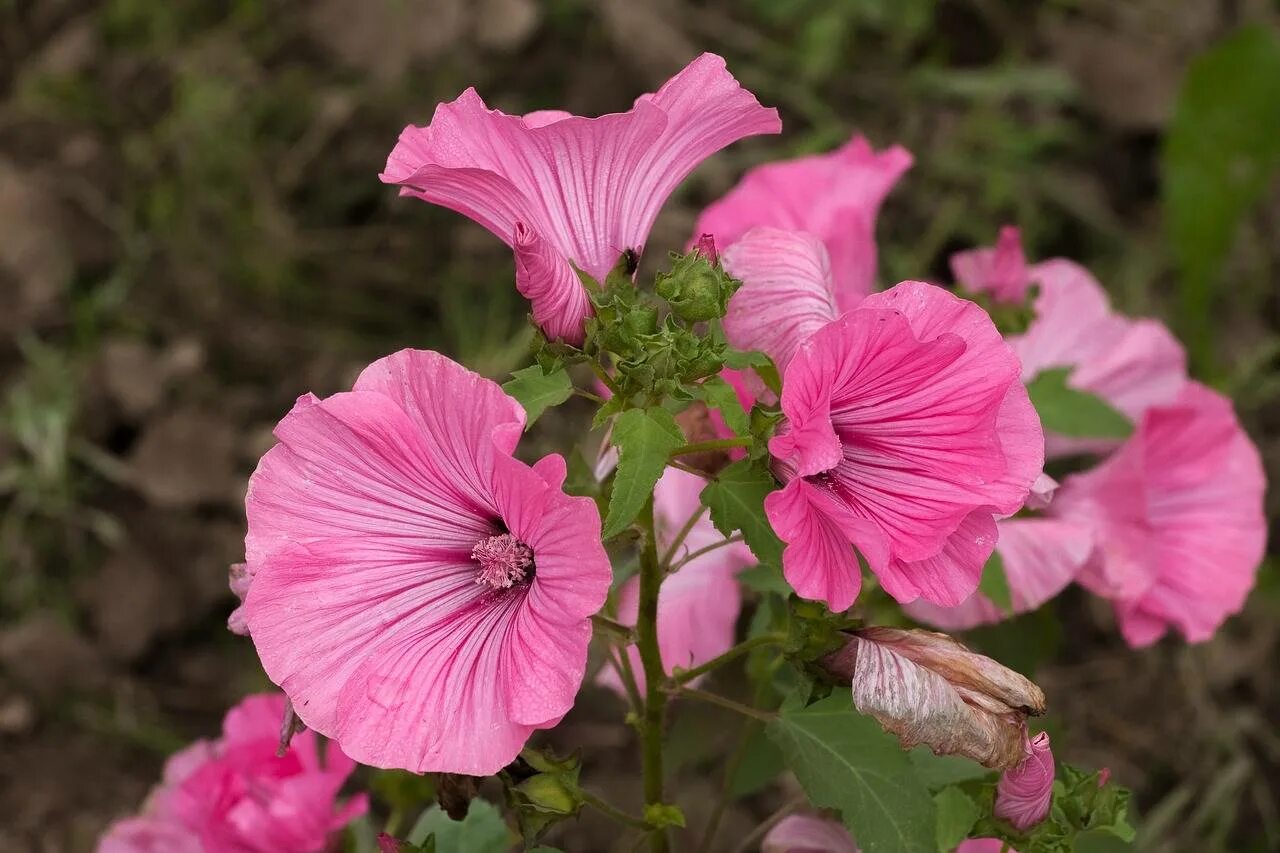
808,833
566,191
698,605
1040,557
1130,363
422,596
984,845
1177,519
1000,270
835,197
236,795
1024,792
907,432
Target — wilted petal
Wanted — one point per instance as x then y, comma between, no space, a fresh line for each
805,833
835,197
1024,792
786,292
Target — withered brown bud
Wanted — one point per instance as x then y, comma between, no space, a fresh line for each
929,688
455,793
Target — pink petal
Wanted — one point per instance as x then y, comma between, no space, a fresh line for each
587,188
1023,793
821,532
951,575
803,833
786,292
149,835
984,845
1000,270
836,197
1177,517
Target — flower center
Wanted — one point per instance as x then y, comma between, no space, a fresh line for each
504,561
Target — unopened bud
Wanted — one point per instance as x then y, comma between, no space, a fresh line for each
1024,792
696,288
706,246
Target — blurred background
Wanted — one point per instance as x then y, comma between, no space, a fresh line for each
192,233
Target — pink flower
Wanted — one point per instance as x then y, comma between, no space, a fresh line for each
1000,270
698,605
1040,557
567,191
906,433
235,795
422,596
1177,519
807,833
1024,793
1132,364
835,197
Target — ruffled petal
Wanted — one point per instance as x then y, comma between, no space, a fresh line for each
1024,793
786,292
821,533
951,575
836,197
558,298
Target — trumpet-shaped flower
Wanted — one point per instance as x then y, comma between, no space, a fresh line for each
236,795
566,191
422,596
906,433
835,197
1176,515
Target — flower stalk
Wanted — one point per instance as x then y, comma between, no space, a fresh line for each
655,701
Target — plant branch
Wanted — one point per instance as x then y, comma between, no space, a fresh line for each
722,701
655,701
595,398
681,535
690,557
684,676
612,811
713,444
614,628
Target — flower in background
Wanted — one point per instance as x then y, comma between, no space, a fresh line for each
1024,792
698,605
808,833
834,197
906,433
423,597
1177,520
566,191
236,795
1000,270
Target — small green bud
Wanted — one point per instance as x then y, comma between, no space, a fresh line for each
696,288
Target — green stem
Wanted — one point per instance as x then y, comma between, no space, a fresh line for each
684,676
612,811
613,628
688,558
603,376
621,661
655,701
587,395
680,537
714,444
724,702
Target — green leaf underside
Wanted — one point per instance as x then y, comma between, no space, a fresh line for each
719,395
957,813
1073,413
736,500
482,831
845,761
995,583
645,439
537,391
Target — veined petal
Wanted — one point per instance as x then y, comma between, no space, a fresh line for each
1024,792
786,292
805,833
951,575
560,303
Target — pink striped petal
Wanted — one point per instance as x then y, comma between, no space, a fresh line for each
836,197
1023,793
951,575
565,190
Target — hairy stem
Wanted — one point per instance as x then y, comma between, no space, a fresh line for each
655,700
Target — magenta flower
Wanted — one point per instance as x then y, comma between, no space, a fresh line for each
698,605
423,597
235,795
906,433
566,191
835,197
1024,793
1130,363
808,833
1177,519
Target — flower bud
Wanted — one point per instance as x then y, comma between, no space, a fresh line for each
706,246
696,288
1024,793
928,688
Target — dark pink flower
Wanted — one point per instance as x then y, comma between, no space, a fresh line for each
235,795
907,432
808,833
1177,519
567,191
423,597
835,197
1000,270
1024,792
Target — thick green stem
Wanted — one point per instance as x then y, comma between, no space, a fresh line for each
655,700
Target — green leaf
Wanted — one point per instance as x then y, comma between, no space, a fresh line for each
537,391
1069,412
645,439
761,763
481,831
939,771
995,583
719,395
957,813
736,500
845,761
1220,153
1099,841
